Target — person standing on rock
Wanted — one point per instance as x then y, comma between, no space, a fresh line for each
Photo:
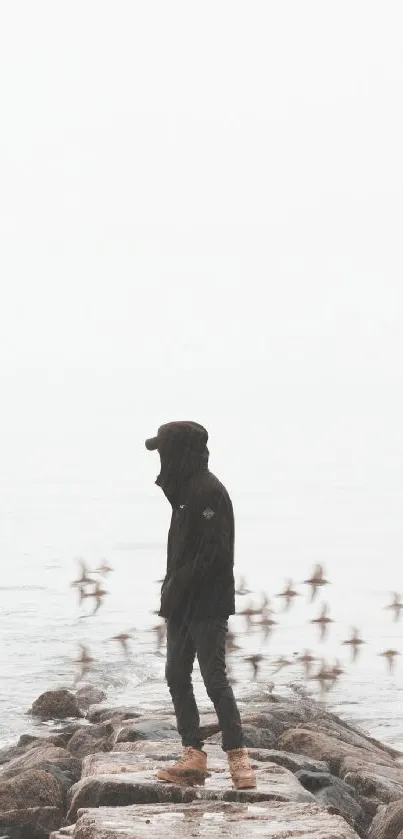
197,597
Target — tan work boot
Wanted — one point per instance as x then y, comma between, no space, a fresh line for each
191,768
240,767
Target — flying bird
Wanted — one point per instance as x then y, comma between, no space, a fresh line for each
82,581
231,646
323,621
307,659
248,613
84,570
84,578
390,656
230,643
98,594
280,663
395,606
325,676
123,638
266,623
104,569
85,660
354,642
288,594
81,589
255,661
316,580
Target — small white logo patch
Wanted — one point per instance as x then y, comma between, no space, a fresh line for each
182,506
208,513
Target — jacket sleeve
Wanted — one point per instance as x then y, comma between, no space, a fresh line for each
211,529
212,526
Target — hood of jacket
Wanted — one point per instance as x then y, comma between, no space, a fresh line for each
183,453
178,467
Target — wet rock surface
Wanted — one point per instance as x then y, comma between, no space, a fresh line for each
332,749
157,750
89,695
56,705
37,755
64,777
369,769
148,730
277,718
254,737
11,752
92,738
291,761
321,777
117,779
333,727
102,713
258,738
374,780
122,790
388,822
32,823
211,819
337,795
34,788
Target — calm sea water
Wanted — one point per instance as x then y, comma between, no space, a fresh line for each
281,532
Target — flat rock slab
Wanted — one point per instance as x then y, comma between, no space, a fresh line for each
146,754
211,820
125,778
112,763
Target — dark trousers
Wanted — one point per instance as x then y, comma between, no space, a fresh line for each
206,639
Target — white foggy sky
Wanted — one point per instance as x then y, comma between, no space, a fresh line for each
202,187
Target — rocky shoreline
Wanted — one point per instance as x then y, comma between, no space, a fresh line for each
93,776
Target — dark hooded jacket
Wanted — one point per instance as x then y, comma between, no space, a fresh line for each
199,581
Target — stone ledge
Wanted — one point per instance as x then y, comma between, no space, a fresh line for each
125,778
207,819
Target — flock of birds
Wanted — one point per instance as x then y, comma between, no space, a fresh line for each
326,673
90,585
